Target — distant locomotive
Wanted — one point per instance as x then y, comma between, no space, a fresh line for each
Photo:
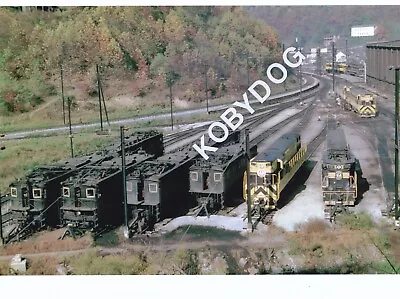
272,170
359,101
212,179
339,176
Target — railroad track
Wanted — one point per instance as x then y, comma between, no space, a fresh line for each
252,121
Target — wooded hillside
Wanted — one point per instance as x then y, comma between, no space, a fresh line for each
149,46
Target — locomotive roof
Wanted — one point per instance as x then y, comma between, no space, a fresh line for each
358,91
220,158
135,139
161,165
276,150
92,174
336,139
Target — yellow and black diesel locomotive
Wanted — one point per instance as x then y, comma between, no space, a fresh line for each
339,176
359,101
272,170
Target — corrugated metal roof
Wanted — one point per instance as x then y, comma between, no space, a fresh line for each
386,44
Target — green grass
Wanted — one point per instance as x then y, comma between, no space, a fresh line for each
355,221
42,120
91,264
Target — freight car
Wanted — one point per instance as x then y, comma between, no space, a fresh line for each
339,176
271,171
92,197
158,189
359,101
34,199
213,180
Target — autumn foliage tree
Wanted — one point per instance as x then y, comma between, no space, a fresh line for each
140,43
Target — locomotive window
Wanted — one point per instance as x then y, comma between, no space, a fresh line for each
13,192
66,191
37,193
90,192
129,186
194,176
217,177
152,187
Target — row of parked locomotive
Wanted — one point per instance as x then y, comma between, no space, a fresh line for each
40,199
87,192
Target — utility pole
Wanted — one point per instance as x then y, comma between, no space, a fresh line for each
365,72
301,78
98,91
249,222
70,128
1,226
102,96
124,179
172,117
333,67
347,55
396,157
319,61
62,78
62,92
205,74
248,74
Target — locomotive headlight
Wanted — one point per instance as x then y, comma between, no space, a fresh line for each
339,175
78,213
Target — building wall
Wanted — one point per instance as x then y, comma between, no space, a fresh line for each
379,58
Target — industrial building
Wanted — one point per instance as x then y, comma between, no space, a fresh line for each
380,56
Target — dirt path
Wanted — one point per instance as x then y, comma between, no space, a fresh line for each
162,245
44,106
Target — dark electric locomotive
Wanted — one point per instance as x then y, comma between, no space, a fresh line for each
158,189
35,199
92,197
213,180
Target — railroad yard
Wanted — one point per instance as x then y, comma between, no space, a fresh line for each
292,182
300,207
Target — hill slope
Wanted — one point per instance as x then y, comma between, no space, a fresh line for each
312,23
145,47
